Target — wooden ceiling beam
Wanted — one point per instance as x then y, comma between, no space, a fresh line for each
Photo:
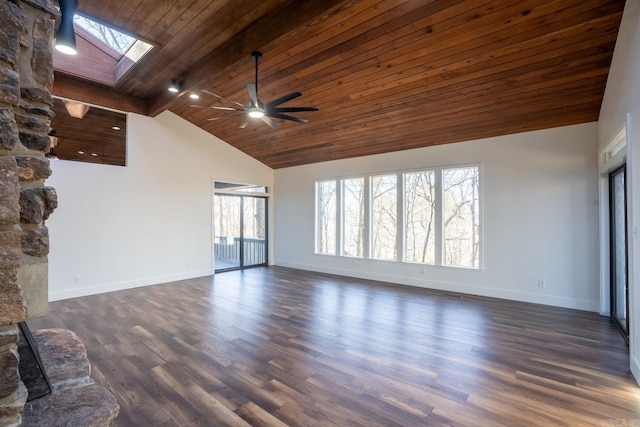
65,86
281,23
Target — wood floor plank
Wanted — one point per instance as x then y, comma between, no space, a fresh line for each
277,346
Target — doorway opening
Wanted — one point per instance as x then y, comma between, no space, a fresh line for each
240,226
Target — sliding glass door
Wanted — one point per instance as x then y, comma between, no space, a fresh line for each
618,251
227,231
240,231
254,231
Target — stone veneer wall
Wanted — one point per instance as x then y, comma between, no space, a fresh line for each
26,77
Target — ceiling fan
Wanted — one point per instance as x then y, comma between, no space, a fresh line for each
260,110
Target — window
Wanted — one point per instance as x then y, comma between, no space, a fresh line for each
419,200
113,38
108,54
353,217
326,217
617,145
384,217
461,218
427,217
122,43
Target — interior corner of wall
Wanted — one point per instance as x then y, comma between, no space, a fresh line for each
635,369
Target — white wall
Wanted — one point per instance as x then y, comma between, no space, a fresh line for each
622,97
149,222
539,191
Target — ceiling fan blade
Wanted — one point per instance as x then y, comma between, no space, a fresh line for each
246,122
287,117
253,94
282,99
217,108
270,122
293,109
221,97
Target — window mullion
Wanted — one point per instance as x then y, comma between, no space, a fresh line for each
367,218
439,232
339,212
318,218
400,217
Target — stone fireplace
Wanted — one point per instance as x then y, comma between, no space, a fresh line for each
26,78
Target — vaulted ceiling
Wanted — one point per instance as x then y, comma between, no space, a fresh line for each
387,75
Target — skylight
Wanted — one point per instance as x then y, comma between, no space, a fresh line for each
111,37
111,52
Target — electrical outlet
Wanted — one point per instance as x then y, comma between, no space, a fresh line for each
78,279
542,284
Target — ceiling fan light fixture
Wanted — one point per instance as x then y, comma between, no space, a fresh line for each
256,113
66,36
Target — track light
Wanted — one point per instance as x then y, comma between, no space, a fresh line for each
66,36
174,87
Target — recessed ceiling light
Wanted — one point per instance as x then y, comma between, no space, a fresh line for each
115,127
94,154
194,95
80,152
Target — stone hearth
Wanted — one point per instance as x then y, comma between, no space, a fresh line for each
76,399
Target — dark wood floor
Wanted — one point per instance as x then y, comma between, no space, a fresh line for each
276,346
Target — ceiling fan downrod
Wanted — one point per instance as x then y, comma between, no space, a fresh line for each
256,55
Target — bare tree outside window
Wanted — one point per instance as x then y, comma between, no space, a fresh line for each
113,38
384,217
353,217
226,217
254,218
461,216
419,202
326,217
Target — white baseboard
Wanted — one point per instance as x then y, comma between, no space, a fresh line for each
76,292
552,300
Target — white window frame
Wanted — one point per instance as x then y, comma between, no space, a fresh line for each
400,228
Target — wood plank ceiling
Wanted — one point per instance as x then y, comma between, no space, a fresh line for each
387,75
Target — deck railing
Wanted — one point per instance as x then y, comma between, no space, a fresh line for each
227,248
